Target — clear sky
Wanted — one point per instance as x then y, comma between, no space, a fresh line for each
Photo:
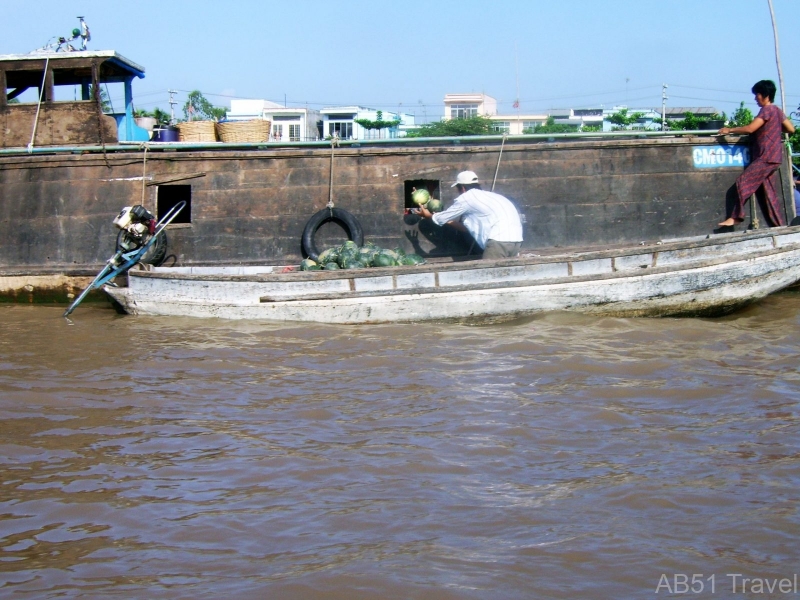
408,54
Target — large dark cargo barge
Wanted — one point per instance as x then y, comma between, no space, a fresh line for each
248,203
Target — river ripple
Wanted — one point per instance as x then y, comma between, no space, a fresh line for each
560,456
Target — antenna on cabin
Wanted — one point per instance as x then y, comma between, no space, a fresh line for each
85,34
62,44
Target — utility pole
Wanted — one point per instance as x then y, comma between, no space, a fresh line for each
172,103
663,107
777,55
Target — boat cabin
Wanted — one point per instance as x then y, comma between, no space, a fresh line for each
28,120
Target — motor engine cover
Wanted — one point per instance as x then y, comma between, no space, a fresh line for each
136,214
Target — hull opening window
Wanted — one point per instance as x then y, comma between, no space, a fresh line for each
432,185
169,195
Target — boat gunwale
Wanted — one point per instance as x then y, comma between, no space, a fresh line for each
477,264
500,285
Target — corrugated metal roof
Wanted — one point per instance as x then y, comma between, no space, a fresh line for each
696,110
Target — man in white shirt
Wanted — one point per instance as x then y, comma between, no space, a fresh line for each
491,219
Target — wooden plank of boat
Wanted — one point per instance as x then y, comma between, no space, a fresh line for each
711,276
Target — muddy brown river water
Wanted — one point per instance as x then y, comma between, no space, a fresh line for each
563,456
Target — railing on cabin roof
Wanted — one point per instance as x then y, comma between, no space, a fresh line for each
400,141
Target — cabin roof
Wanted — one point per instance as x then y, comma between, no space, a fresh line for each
115,65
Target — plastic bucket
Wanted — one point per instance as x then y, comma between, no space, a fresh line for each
170,134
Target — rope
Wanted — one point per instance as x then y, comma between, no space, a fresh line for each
334,143
498,161
98,109
144,170
496,170
39,105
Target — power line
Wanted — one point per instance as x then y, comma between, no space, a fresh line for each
534,104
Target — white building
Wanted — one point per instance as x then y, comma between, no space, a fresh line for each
580,117
288,124
464,106
341,121
517,124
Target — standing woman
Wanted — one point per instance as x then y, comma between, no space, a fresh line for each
766,155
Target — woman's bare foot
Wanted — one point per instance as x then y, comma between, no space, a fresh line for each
730,222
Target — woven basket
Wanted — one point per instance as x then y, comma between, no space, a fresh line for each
197,131
256,130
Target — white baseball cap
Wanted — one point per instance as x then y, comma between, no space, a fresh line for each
465,178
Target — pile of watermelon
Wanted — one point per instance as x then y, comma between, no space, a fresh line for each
350,256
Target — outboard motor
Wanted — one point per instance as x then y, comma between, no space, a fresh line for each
140,240
135,223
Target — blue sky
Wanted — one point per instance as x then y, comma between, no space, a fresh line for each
408,54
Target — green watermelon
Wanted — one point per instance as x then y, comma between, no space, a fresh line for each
331,266
351,261
395,256
348,246
413,259
308,264
435,205
329,255
382,259
420,197
366,254
347,255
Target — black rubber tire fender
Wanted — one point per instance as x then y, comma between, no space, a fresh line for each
342,217
156,253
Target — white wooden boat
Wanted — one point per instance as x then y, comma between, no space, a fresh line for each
706,276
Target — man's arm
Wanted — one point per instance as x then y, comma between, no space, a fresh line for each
788,126
425,212
456,223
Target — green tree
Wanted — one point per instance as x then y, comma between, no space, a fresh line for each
477,125
740,117
794,141
197,107
690,122
162,117
550,126
622,120
378,124
105,102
